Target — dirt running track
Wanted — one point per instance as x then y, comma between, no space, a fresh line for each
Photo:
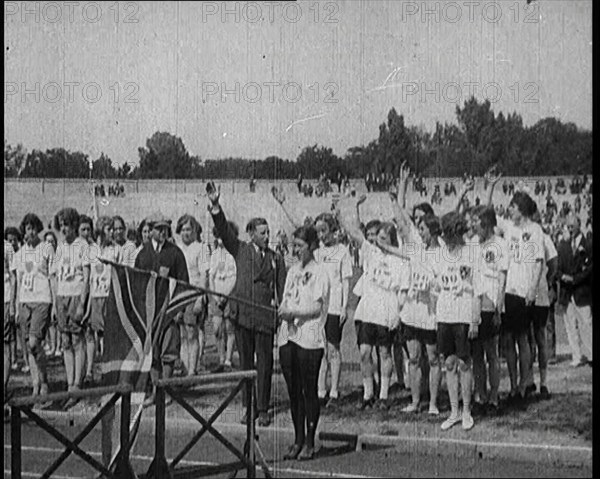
39,450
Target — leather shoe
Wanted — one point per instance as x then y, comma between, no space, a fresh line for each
263,419
293,452
307,454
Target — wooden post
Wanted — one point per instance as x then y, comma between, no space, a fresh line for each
15,444
159,468
124,468
250,426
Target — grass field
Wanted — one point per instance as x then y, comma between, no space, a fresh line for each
176,198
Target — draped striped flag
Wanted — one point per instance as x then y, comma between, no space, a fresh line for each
140,307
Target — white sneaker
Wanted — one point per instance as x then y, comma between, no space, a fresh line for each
467,421
411,408
451,421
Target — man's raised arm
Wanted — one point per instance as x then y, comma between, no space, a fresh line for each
230,240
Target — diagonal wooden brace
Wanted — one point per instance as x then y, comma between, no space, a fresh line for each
222,439
211,420
70,445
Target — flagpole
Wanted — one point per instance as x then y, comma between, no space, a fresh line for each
270,309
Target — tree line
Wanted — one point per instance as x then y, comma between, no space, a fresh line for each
479,139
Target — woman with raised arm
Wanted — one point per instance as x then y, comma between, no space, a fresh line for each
384,285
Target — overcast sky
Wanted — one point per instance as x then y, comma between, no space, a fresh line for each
315,72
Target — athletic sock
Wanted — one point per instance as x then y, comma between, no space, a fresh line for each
368,385
385,385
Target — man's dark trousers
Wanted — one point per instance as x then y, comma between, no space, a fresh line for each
248,342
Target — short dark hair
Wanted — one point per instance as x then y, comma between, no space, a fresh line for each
119,218
33,220
86,219
433,224
524,203
102,223
373,224
454,226
331,221
308,234
254,223
11,230
188,219
424,207
51,233
487,216
69,217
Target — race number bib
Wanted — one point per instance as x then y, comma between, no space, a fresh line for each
382,277
515,249
67,273
293,294
102,285
451,282
27,283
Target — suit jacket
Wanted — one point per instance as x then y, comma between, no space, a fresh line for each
578,264
170,257
259,279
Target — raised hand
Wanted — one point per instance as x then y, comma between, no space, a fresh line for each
492,176
404,171
278,195
213,193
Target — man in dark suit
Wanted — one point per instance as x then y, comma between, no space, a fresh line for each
575,290
260,280
166,259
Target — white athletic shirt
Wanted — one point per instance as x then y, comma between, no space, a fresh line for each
543,297
419,308
493,261
457,278
126,253
197,258
9,266
68,264
384,277
100,273
526,244
33,266
304,286
223,270
337,263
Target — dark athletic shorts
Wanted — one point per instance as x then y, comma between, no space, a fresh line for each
34,319
486,328
66,307
373,334
424,336
453,339
333,329
540,317
518,317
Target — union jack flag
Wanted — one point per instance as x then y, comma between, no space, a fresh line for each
139,308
